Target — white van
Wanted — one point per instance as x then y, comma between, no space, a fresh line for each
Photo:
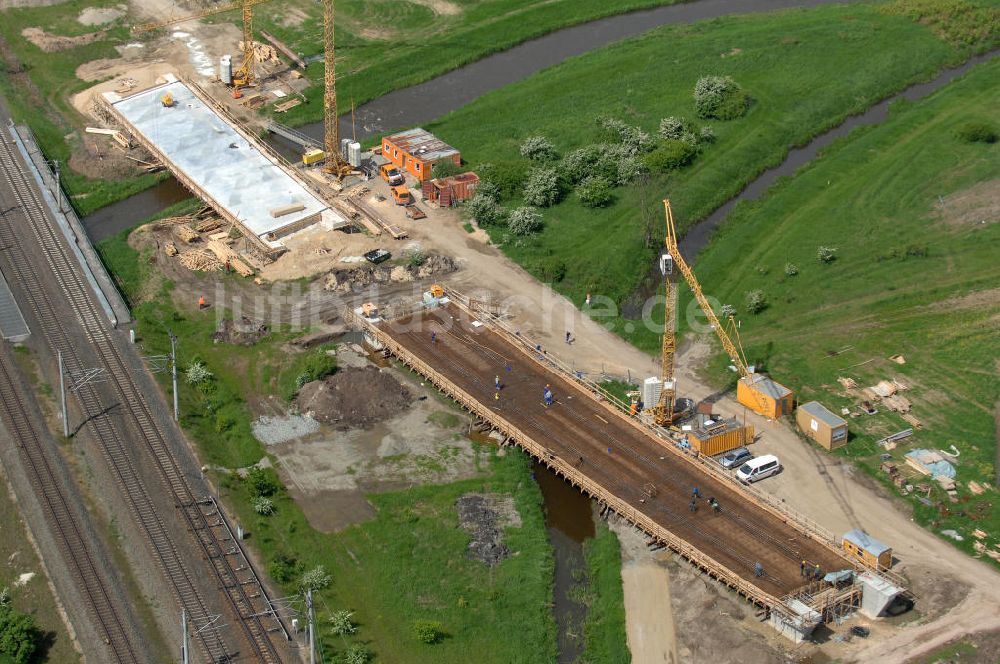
759,468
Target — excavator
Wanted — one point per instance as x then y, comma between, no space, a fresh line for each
758,393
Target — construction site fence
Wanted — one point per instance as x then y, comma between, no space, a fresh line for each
484,310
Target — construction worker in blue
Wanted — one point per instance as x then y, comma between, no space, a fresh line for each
496,381
547,395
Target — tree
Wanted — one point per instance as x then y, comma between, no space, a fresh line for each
582,163
719,97
341,623
19,636
446,168
428,631
262,482
543,188
508,176
538,149
316,579
524,221
485,210
756,301
672,154
594,191
826,254
283,568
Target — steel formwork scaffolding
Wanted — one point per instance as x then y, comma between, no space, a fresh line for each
765,510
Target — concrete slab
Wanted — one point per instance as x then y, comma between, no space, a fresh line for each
12,325
217,158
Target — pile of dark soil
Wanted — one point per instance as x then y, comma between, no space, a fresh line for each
478,515
366,275
354,398
242,332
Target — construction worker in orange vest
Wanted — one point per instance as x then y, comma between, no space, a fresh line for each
201,302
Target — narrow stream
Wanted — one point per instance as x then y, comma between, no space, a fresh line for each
569,520
697,237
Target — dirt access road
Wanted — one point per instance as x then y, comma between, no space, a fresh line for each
821,487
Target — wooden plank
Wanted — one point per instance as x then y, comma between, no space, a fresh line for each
280,45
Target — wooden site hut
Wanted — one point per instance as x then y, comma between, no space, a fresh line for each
871,552
823,426
762,395
416,151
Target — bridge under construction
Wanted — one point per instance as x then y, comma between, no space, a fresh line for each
752,543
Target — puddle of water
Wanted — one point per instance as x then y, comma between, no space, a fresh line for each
569,520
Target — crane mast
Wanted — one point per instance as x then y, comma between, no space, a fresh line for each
335,163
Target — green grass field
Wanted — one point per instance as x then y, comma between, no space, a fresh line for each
806,70
382,46
912,277
604,630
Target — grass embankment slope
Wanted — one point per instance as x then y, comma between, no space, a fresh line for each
36,87
912,277
409,563
805,69
385,46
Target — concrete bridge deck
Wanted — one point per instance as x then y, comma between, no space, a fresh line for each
606,453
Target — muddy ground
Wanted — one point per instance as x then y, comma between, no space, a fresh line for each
485,516
421,441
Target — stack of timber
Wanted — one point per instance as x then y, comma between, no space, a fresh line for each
226,255
200,260
209,225
170,249
186,234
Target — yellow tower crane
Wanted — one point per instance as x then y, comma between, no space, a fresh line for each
758,402
335,162
245,74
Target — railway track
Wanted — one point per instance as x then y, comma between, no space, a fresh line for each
234,574
73,545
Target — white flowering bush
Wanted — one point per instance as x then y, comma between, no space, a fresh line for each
263,506
524,221
826,254
756,301
542,188
538,148
316,579
672,128
197,373
720,97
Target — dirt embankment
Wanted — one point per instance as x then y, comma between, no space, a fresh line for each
51,43
354,398
345,280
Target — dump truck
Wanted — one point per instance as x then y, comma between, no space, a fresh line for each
401,195
391,174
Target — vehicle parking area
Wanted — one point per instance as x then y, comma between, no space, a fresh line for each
612,451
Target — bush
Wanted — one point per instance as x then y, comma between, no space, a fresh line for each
356,654
671,155
444,169
262,482
19,636
428,631
415,256
524,221
488,190
582,163
315,579
507,176
543,188
673,128
341,623
719,97
706,135
756,301
621,164
791,269
594,191
826,254
977,132
263,506
549,270
485,210
632,138
197,373
538,148
283,568
728,311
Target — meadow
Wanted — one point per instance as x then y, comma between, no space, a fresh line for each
910,207
806,71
